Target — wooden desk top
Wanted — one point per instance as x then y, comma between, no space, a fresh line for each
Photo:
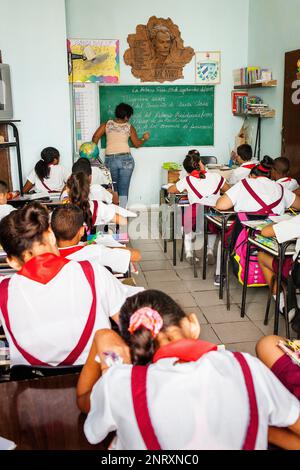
42,414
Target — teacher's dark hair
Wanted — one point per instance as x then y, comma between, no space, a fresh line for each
123,111
42,168
22,228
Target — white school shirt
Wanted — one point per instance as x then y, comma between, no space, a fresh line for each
116,259
288,230
57,178
5,209
269,191
105,212
206,187
289,183
200,405
100,194
48,320
100,175
241,172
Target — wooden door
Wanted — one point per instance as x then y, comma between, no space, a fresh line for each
291,113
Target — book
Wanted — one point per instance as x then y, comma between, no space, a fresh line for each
292,349
239,101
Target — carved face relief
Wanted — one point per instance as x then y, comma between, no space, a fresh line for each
156,52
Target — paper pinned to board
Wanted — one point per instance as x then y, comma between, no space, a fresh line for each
6,444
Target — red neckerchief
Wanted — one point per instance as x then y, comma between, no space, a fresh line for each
187,350
285,180
43,268
249,166
198,173
65,252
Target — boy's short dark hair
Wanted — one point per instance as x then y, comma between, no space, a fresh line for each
245,152
282,166
123,111
3,187
66,221
83,165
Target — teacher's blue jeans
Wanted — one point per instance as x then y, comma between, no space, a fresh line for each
121,168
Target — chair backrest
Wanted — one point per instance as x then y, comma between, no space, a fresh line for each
24,372
207,160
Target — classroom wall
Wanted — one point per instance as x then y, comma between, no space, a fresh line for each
33,42
204,25
273,30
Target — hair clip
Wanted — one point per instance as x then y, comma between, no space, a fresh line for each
148,318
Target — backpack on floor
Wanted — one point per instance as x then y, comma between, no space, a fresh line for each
239,241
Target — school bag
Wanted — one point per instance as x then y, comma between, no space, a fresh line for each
238,245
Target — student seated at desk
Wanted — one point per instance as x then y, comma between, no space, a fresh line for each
97,192
67,224
283,231
48,175
5,208
280,173
95,212
203,189
259,194
51,308
186,394
244,158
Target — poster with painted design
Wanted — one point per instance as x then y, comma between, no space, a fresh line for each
208,68
93,60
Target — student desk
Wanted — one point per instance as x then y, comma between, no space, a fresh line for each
222,220
279,251
41,414
50,202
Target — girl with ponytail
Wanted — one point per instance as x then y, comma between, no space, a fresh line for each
203,189
95,211
180,392
48,175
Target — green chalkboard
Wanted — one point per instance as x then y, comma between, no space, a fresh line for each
180,115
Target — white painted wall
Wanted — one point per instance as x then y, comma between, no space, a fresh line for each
33,42
273,31
218,25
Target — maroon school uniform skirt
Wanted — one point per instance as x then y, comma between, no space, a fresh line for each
288,373
286,268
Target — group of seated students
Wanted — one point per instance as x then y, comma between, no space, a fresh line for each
153,381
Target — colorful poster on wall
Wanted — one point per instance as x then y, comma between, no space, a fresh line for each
208,68
93,60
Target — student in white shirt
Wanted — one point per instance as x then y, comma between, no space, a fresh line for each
97,192
258,193
52,307
5,208
244,158
48,175
203,189
283,231
280,173
95,211
67,225
186,394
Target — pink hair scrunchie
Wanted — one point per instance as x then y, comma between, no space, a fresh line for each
148,318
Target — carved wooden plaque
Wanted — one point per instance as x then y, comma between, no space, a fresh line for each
156,51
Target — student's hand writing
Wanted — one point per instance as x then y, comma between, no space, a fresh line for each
110,341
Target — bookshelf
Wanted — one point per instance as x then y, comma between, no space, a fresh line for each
269,84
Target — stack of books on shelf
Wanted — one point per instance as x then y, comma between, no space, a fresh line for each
251,76
243,104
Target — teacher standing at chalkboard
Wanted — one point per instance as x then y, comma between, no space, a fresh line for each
117,153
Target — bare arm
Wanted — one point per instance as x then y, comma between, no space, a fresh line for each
224,203
296,203
28,186
135,139
268,231
119,220
225,188
284,438
104,340
173,189
99,133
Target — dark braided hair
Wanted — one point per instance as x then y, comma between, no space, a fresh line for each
141,343
79,190
22,228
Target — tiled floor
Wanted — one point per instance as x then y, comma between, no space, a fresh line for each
156,271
